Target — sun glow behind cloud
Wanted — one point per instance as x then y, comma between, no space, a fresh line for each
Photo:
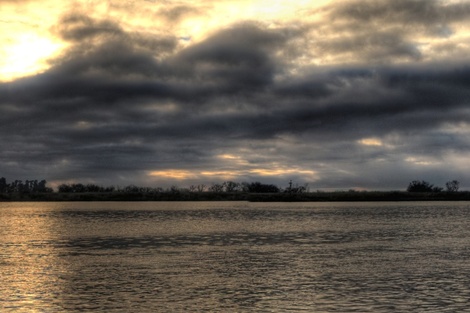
314,91
26,55
30,40
27,40
421,161
174,174
236,167
178,174
375,142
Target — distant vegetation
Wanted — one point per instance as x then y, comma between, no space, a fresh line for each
424,186
28,186
225,187
37,190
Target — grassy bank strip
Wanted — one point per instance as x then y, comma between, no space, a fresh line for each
241,196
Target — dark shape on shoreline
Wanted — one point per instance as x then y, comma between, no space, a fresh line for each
336,196
33,190
26,187
453,186
422,186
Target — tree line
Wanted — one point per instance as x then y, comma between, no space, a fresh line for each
40,186
233,187
225,187
27,186
424,186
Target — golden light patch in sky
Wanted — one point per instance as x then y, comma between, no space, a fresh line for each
231,174
280,171
83,125
274,170
228,157
233,159
284,171
26,40
258,171
247,168
420,161
29,38
219,14
371,142
186,174
221,174
173,174
29,30
26,55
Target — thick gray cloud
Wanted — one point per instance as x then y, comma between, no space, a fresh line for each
119,105
422,12
389,31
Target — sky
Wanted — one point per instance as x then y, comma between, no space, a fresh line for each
365,95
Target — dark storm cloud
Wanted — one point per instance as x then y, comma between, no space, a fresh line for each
421,92
237,60
78,27
374,46
425,12
399,98
387,31
105,71
87,31
122,103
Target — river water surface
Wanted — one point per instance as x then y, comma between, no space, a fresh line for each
234,257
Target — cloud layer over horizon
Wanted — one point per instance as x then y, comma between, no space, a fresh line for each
361,94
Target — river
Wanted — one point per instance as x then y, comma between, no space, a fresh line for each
234,257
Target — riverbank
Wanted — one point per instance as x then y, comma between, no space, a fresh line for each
337,196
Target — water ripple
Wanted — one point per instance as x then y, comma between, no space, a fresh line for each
296,258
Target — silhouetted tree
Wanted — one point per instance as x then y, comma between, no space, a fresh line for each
131,188
422,186
93,188
3,185
231,186
296,188
216,188
28,186
258,187
109,189
453,186
174,189
64,188
41,186
79,187
245,187
197,188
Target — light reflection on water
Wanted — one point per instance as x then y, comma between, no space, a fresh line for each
234,257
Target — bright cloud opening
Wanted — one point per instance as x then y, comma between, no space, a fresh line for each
27,55
173,174
420,161
371,142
